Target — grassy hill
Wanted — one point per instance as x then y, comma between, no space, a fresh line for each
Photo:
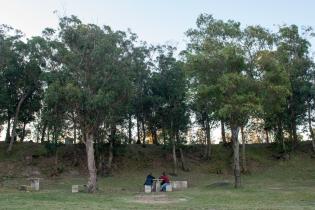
270,184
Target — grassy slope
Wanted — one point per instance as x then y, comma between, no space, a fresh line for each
272,184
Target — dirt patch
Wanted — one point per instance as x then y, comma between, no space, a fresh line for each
157,199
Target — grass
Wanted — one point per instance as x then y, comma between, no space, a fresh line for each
280,185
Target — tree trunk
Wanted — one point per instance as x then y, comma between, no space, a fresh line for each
174,157
154,136
129,129
111,148
91,185
143,132
244,165
164,136
7,137
294,133
291,135
74,131
56,160
42,139
138,131
80,136
15,121
184,168
280,136
101,170
293,129
310,125
236,156
23,132
48,135
267,136
208,148
174,150
223,132
37,137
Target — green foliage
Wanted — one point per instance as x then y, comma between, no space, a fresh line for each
238,98
240,74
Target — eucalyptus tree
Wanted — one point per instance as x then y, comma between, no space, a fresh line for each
256,39
10,58
140,106
53,115
204,66
203,69
172,93
21,64
237,96
293,53
218,65
28,111
98,77
275,89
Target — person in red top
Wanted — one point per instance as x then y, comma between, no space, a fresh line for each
165,181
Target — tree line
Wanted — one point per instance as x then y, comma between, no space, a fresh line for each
94,82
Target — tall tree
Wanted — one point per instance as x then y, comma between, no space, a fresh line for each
293,54
98,78
172,91
216,49
23,76
275,89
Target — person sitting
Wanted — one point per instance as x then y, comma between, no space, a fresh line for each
149,180
165,182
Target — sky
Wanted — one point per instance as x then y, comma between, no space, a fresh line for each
155,21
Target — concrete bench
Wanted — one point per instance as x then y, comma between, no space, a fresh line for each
179,185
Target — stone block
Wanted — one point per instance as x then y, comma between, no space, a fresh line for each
75,188
147,188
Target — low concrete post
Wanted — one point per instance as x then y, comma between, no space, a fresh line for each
147,188
34,183
75,188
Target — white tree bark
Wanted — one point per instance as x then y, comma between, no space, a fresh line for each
91,186
236,156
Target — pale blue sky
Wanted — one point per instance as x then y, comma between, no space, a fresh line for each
155,21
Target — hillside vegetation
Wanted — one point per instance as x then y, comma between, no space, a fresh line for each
271,183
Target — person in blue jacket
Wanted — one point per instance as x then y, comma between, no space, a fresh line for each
149,180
